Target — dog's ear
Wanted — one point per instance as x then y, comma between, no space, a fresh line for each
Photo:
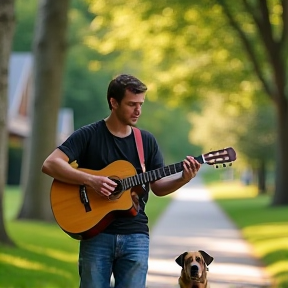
180,259
207,258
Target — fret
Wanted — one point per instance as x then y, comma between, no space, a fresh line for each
169,169
147,177
150,178
124,184
159,174
175,169
131,182
134,181
164,171
142,178
137,177
154,174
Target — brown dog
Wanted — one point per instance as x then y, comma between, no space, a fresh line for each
194,269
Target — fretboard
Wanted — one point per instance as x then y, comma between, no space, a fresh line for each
154,175
151,176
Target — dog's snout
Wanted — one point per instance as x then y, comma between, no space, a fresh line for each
194,270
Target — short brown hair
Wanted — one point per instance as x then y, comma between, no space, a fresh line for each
119,84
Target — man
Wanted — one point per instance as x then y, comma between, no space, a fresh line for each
122,248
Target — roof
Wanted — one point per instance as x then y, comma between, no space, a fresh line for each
19,96
20,69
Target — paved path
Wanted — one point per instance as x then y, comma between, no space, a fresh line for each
195,222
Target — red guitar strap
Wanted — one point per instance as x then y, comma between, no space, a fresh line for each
139,145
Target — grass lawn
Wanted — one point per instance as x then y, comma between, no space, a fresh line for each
45,256
262,225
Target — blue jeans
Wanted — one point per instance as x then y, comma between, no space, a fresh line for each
126,256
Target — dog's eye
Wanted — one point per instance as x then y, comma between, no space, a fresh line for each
198,259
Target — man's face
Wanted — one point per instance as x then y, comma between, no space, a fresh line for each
129,110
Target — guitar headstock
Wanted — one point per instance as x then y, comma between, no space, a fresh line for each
220,158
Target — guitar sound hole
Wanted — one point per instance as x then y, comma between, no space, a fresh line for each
119,187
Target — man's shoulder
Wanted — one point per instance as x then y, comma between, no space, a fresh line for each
149,139
93,126
146,134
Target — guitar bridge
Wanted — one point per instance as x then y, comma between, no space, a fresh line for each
84,198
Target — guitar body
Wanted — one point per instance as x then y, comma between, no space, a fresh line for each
71,214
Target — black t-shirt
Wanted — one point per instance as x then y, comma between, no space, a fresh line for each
94,147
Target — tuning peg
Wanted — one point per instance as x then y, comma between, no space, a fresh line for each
223,165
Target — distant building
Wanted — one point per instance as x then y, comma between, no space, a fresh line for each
19,97
19,117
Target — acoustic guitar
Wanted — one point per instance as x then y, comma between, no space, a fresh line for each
82,213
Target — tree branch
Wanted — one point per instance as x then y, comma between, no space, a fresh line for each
273,48
247,45
284,41
284,37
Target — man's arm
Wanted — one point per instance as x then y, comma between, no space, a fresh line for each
170,184
56,165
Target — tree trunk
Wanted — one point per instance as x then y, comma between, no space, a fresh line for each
281,177
7,23
262,178
49,58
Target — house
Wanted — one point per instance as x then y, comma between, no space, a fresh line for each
19,89
19,97
19,122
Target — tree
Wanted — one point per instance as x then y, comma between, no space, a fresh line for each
49,51
269,20
255,146
196,53
7,23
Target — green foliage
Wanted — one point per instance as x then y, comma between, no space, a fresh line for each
84,88
85,93
25,22
174,41
249,128
170,126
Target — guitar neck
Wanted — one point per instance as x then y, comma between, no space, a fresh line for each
154,175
